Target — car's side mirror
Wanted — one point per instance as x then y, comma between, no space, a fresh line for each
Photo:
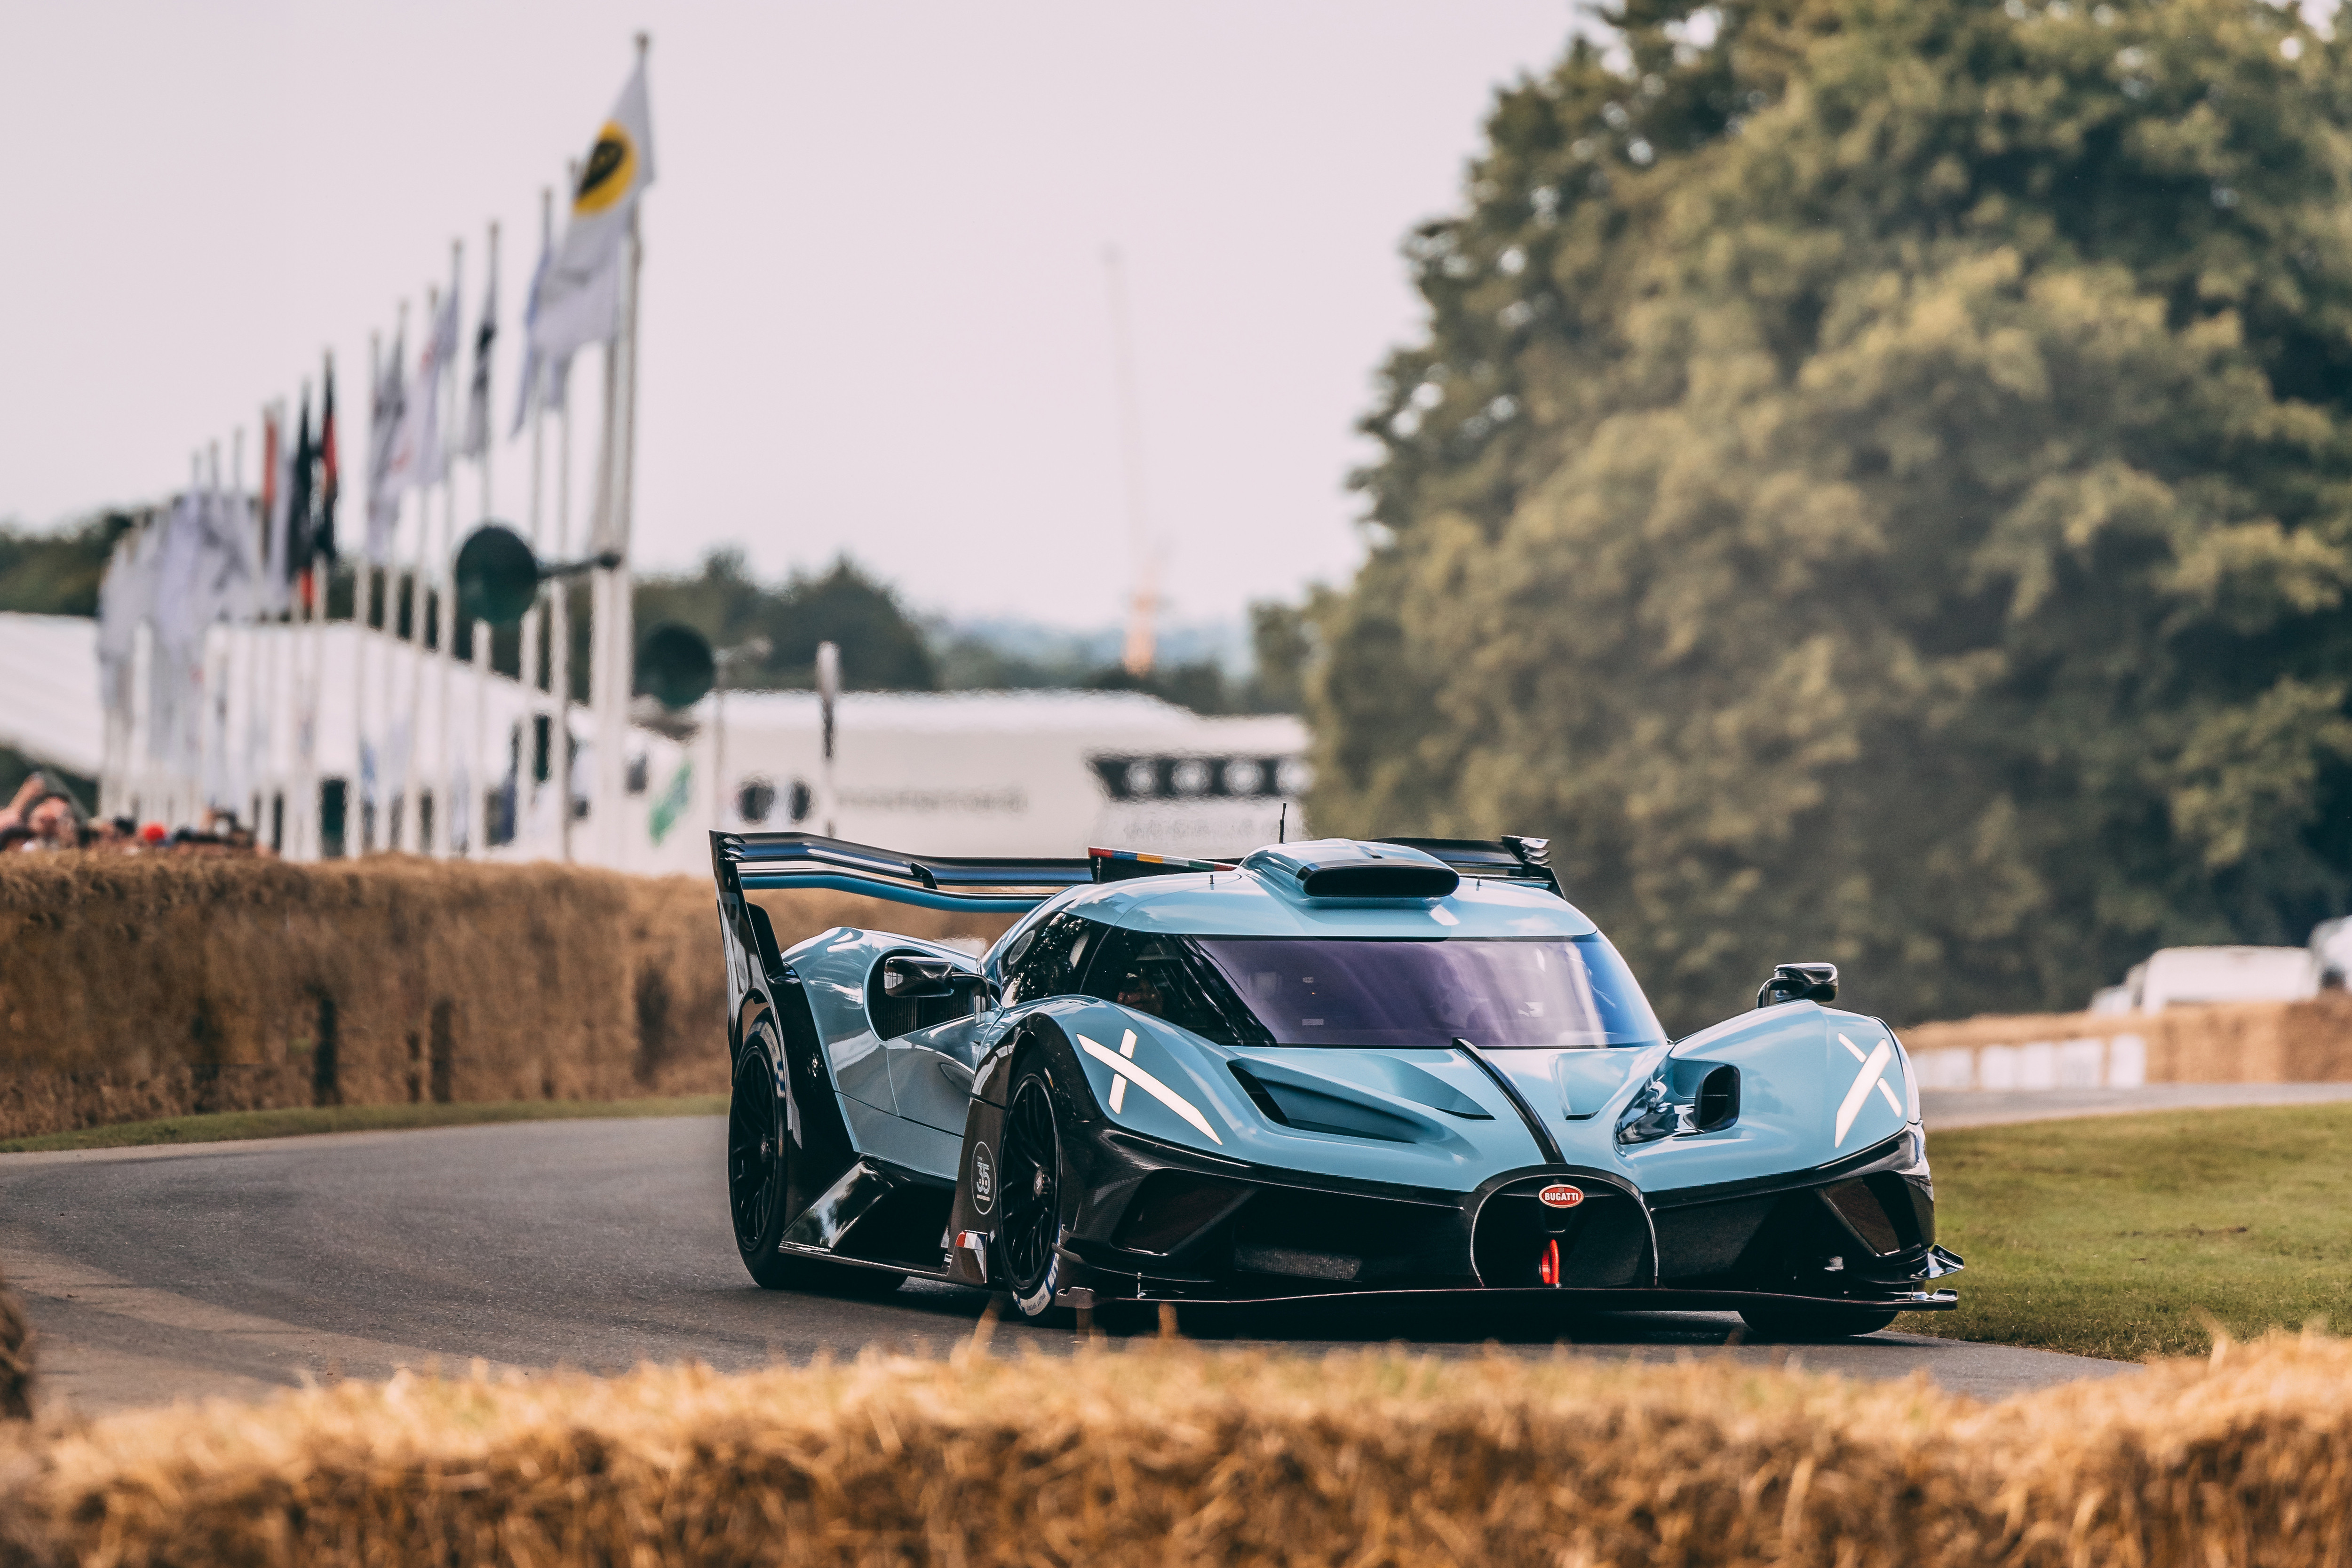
910,977
1799,983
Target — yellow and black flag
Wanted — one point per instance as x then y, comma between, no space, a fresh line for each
579,299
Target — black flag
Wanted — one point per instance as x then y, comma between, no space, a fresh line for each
330,484
302,531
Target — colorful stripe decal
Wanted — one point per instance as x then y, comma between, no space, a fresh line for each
1177,863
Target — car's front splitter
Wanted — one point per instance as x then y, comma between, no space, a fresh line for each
1369,1240
1568,1298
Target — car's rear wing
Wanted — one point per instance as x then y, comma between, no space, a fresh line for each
1510,858
987,886
1010,886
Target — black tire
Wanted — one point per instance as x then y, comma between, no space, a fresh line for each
759,1155
1811,1322
1029,1164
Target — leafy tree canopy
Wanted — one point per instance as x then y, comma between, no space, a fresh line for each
882,648
1877,486
56,573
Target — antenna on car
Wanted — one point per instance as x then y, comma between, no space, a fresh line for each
1282,825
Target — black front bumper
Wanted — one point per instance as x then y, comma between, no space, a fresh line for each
1158,1222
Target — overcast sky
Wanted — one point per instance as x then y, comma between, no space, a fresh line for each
875,313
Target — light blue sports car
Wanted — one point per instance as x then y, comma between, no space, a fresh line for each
1321,1068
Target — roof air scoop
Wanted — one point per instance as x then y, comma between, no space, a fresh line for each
1349,867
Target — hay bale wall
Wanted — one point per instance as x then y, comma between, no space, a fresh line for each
16,1357
135,987
2243,1043
1177,1458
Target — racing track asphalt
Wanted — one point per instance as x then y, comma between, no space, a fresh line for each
235,1267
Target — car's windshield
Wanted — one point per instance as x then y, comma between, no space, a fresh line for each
1549,992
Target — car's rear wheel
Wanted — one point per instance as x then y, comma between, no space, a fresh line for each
1029,1236
759,1155
1816,1322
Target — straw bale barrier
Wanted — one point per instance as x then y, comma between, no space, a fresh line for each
1171,1456
16,1357
2239,1042
144,986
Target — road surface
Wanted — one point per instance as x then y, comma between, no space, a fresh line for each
235,1269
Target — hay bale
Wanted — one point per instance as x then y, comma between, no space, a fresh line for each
16,1357
1170,1456
145,986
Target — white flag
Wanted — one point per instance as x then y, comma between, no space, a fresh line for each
434,363
126,598
526,386
388,450
580,297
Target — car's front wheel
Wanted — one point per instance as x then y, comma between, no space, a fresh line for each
1815,1323
759,1155
1029,1236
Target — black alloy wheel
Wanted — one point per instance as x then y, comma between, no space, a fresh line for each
1030,1177
760,1157
1792,1321
759,1167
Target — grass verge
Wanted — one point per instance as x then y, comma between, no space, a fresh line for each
2128,1237
229,1126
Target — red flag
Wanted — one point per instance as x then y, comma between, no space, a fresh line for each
330,484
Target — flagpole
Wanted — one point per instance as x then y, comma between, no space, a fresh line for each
359,833
257,641
526,655
559,634
389,804
445,811
411,824
624,606
480,797
314,614
281,699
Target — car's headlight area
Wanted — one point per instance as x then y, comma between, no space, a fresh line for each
1914,1168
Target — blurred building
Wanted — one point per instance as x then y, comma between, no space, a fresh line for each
334,740
1002,773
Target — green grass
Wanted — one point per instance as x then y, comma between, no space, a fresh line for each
2133,1235
227,1125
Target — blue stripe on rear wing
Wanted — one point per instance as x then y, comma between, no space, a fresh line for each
987,886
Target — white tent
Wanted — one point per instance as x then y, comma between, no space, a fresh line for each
49,708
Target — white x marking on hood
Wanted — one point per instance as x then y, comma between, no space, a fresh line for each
1872,1076
1128,1071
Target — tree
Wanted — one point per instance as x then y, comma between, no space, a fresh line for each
881,648
58,573
1875,488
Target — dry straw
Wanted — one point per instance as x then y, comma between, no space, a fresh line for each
1169,1455
153,986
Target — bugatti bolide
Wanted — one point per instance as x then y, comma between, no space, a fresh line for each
1322,1068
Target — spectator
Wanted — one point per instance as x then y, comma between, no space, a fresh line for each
55,824
28,795
47,812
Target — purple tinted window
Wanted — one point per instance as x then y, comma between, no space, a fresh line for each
1549,993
